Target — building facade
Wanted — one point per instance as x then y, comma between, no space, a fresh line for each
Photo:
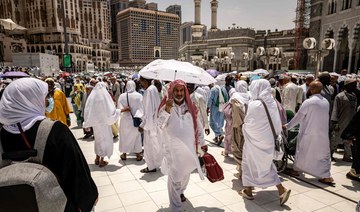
142,33
87,27
339,20
174,9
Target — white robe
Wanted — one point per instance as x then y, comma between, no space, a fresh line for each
180,159
130,137
153,147
100,113
258,168
312,149
291,96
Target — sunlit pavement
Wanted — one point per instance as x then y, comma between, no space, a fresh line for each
123,188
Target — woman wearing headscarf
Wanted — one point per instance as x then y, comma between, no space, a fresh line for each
130,104
239,102
258,169
228,125
100,114
23,103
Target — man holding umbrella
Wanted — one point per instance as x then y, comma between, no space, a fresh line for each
152,148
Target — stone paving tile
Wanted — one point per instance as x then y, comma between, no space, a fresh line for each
123,188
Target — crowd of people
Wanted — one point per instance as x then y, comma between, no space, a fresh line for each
165,124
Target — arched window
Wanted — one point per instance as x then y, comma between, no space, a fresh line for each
332,7
346,4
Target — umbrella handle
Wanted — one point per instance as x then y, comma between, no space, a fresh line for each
175,75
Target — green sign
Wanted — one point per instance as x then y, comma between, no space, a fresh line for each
67,60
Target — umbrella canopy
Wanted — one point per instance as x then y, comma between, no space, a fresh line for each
213,72
261,71
9,24
14,74
169,70
135,76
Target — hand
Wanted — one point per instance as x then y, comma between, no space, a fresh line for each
284,127
141,129
125,109
204,148
169,104
207,131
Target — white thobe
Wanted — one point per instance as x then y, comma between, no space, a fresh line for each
305,88
153,154
180,159
130,137
200,103
312,149
291,95
100,113
258,168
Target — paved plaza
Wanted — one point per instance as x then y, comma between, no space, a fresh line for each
123,188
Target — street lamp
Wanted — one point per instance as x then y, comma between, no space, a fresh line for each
326,45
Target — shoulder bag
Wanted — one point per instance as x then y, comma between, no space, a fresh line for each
278,139
136,121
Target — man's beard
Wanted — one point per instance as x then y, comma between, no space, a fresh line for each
179,100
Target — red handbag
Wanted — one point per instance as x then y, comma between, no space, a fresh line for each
213,171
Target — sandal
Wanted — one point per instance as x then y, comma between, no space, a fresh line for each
329,183
97,162
182,197
103,163
223,153
123,156
146,170
243,194
284,197
139,157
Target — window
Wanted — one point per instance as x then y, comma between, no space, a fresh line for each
346,4
168,28
332,7
143,25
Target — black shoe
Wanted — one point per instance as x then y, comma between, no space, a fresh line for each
87,136
182,197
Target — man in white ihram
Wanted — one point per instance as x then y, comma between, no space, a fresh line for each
312,149
182,132
152,147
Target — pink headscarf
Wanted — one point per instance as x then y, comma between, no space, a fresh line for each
191,106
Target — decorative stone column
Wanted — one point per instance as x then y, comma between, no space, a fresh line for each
214,6
336,50
197,12
351,49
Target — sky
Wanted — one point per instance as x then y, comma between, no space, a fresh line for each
257,14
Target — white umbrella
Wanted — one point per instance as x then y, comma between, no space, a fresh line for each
170,70
9,24
261,71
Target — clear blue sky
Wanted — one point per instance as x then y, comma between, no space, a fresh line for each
258,14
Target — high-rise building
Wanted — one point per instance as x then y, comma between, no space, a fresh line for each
115,7
137,4
174,9
87,27
142,33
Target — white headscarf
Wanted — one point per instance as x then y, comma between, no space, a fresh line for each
23,102
100,108
130,86
241,86
261,89
242,94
